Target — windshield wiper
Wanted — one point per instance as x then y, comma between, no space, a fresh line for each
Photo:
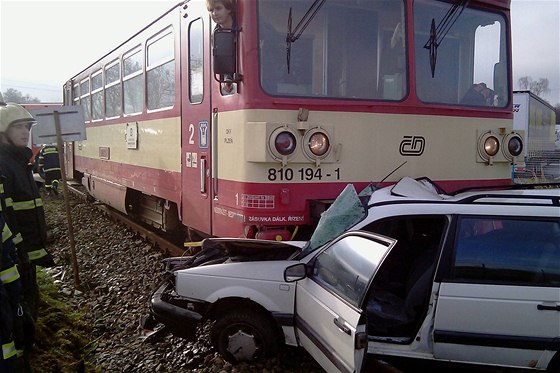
294,35
438,33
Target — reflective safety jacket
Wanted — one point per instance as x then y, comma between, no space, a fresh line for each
9,352
16,237
10,297
48,159
24,206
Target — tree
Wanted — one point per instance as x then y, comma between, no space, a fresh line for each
537,87
13,95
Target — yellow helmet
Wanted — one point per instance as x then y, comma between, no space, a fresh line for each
11,113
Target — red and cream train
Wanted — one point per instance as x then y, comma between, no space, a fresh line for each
327,92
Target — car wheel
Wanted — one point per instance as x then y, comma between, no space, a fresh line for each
245,336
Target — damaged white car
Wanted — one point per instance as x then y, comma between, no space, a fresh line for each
403,271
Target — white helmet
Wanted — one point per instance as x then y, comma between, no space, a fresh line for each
11,113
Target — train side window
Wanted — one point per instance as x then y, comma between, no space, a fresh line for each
75,94
85,99
133,82
196,61
113,89
97,95
160,70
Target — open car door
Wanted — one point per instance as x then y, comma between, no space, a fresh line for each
330,320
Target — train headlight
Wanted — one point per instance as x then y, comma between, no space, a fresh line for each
319,144
488,147
491,146
499,147
515,146
285,143
282,144
512,146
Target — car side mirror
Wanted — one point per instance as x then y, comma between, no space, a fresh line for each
295,272
224,52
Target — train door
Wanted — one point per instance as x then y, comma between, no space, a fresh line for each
69,159
69,145
195,117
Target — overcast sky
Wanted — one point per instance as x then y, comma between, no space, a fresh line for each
42,42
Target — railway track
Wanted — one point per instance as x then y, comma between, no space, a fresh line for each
166,246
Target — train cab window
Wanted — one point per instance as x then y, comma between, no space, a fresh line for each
467,65
85,99
113,89
160,71
347,49
97,95
196,61
133,82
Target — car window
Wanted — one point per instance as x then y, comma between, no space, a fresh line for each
347,266
511,251
400,292
417,237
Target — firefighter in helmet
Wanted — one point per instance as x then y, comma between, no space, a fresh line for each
24,205
49,166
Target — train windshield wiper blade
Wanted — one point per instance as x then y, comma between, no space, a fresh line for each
438,33
295,34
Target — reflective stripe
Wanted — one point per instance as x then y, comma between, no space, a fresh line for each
6,233
9,275
50,151
1,188
28,205
37,254
9,202
52,169
9,350
17,239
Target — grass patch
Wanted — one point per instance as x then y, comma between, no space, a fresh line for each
61,337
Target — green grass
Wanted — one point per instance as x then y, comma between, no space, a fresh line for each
61,337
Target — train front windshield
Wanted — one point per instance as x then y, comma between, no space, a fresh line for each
357,49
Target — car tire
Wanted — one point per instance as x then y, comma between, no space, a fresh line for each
245,336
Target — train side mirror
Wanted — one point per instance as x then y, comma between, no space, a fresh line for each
224,52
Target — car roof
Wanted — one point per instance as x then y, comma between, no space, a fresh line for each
424,190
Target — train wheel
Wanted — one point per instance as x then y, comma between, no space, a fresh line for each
245,336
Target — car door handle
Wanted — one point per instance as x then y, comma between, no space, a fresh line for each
542,307
340,324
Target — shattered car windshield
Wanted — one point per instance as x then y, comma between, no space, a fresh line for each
347,210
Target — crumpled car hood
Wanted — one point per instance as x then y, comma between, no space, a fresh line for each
220,250
251,250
